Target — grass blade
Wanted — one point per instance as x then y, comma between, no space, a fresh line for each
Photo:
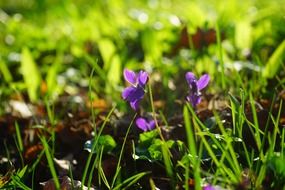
19,137
221,56
50,163
121,152
30,73
130,181
274,62
96,138
192,147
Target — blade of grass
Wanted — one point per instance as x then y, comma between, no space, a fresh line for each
96,67
118,168
152,184
86,168
101,171
166,155
282,142
90,177
167,162
225,171
274,62
153,113
30,73
260,164
51,117
5,71
163,119
267,122
256,124
238,120
19,184
91,99
19,137
51,78
219,43
232,159
71,176
192,147
261,175
50,163
276,124
187,176
130,181
19,151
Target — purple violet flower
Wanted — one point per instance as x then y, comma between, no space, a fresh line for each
211,187
144,124
134,93
196,86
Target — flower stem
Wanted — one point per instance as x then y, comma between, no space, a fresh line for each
153,113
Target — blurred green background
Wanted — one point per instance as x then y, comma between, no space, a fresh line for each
47,46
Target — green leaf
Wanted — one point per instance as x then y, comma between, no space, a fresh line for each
155,150
30,73
108,51
112,63
22,172
276,164
115,72
274,62
146,138
51,77
5,71
243,34
16,178
105,140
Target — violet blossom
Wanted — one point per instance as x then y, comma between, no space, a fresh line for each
212,187
134,93
145,125
196,86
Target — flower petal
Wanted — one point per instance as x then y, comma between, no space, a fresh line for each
194,100
135,104
190,77
151,125
142,124
137,94
127,93
133,93
203,81
130,76
142,78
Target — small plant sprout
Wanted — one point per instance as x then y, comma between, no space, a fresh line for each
134,93
196,86
144,124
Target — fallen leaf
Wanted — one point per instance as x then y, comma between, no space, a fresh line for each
65,184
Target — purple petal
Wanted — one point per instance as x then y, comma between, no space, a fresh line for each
193,99
137,94
128,92
190,77
143,78
135,104
130,76
142,124
212,187
133,93
208,187
151,125
203,81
